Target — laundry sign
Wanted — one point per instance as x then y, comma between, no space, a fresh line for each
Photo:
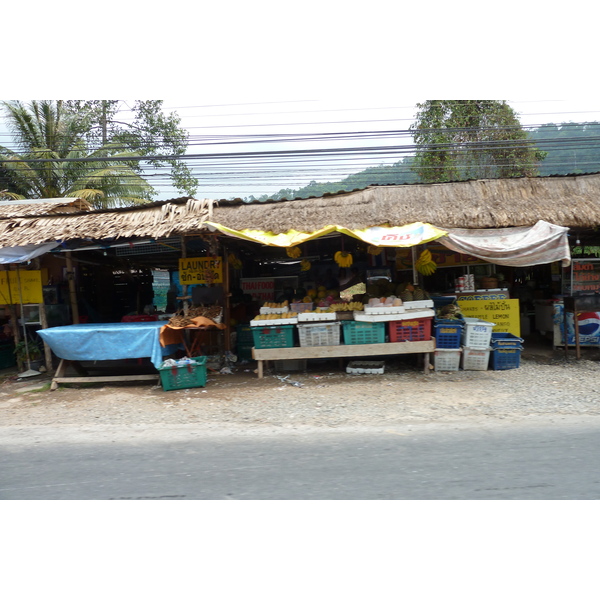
204,269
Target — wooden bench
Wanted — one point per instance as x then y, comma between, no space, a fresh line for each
344,351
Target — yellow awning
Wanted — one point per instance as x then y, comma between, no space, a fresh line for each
390,237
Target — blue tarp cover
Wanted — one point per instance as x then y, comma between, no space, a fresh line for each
106,341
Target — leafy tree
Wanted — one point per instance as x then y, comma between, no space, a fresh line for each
47,130
471,139
150,132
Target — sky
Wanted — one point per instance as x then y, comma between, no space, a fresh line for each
321,67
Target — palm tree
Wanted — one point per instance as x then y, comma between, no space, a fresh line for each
47,130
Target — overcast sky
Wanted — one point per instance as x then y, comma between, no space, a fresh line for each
262,67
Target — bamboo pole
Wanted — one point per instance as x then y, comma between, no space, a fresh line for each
226,298
44,324
72,288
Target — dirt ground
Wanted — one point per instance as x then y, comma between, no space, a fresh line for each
323,395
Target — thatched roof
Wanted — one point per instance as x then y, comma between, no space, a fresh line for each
43,206
158,219
571,201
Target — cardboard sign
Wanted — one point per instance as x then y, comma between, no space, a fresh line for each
205,269
29,282
505,313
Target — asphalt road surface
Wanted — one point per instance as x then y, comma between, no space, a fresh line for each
550,460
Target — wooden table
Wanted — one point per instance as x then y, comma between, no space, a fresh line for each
344,351
84,377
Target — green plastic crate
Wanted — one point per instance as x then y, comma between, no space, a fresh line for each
244,335
184,376
277,336
363,332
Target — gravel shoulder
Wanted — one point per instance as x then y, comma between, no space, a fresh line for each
544,387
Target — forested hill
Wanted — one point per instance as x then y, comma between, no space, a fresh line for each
571,148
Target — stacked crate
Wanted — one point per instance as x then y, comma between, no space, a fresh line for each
448,352
475,339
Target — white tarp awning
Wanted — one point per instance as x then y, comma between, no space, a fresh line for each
513,247
18,254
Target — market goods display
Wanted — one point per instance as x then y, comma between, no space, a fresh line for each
449,311
210,312
343,259
425,263
273,316
293,252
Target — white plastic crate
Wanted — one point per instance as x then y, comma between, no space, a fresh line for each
447,359
319,334
314,316
366,367
477,333
474,359
271,322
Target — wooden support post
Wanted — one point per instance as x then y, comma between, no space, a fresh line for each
44,324
184,287
226,298
72,288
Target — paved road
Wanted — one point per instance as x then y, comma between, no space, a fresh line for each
514,461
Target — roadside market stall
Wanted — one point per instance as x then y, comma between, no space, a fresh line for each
464,217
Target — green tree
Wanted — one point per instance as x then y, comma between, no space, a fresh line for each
47,130
471,139
150,132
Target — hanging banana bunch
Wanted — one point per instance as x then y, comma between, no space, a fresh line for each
343,259
305,265
234,261
425,263
374,250
293,252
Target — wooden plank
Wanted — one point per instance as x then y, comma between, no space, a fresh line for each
104,378
343,350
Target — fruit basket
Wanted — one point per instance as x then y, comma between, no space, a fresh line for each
474,359
506,358
319,334
447,359
448,333
179,377
356,332
505,340
280,336
477,333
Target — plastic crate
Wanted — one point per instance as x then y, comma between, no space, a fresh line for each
244,352
477,333
363,332
410,330
447,359
301,307
7,356
280,336
184,376
474,359
505,340
319,334
506,358
244,335
448,333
